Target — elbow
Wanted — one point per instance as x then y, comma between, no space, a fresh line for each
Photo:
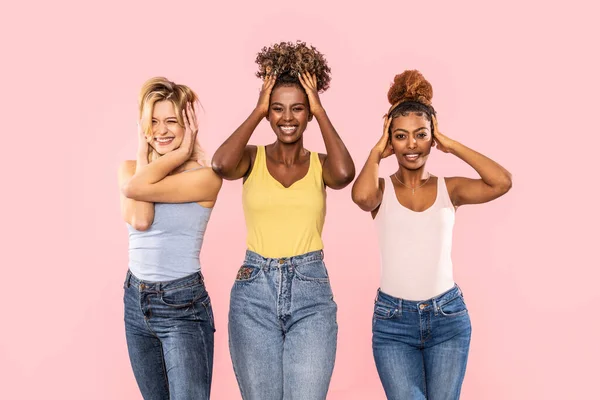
343,179
364,202
141,225
129,190
506,184
219,167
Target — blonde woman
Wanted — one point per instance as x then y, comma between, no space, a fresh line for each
167,198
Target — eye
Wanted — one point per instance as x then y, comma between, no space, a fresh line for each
400,136
154,122
276,109
172,121
422,135
298,109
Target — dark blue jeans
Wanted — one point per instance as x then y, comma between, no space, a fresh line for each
170,337
283,328
421,347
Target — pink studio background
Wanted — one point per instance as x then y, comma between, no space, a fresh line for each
515,80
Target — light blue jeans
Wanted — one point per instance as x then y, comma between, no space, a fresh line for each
282,328
421,347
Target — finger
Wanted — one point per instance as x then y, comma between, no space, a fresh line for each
314,79
302,81
192,117
186,123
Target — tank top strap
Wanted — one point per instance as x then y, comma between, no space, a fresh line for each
193,169
443,194
260,165
315,168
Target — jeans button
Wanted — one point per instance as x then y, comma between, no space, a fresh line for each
281,261
142,286
422,306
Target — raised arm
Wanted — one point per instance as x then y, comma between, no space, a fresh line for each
495,179
367,191
153,182
232,159
338,167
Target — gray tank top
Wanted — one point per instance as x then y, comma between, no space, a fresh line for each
170,248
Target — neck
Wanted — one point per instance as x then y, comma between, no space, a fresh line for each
288,153
412,177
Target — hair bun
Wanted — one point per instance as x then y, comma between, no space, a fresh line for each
410,85
292,59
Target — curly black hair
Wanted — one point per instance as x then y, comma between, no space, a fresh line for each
287,60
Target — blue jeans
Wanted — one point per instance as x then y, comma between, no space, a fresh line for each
170,337
421,347
282,328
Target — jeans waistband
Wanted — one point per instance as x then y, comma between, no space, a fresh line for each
189,280
423,305
256,260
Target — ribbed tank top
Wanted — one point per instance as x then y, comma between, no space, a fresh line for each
170,248
415,247
280,221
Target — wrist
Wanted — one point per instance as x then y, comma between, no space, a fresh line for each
376,154
318,112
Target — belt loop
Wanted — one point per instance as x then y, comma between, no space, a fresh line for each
435,307
400,307
377,295
322,254
128,278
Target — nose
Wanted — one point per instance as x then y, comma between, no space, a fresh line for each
412,142
287,115
161,129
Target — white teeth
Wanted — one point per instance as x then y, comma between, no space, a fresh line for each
163,140
288,129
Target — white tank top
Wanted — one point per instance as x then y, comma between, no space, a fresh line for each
415,247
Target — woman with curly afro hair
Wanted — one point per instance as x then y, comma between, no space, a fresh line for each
421,327
282,317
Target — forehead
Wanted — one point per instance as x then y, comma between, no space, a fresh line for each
288,95
410,122
163,108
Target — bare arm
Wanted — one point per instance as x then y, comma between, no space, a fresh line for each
232,159
153,183
367,191
338,167
138,214
495,179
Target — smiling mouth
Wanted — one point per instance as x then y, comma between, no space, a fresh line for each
289,129
164,141
411,157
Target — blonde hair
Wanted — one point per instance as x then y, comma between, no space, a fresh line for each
161,89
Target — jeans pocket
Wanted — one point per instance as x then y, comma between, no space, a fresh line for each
183,297
312,272
247,274
453,308
384,310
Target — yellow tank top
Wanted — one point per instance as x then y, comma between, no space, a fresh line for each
280,221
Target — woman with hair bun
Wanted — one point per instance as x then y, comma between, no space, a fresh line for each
167,198
421,327
282,317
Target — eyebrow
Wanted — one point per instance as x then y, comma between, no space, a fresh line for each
293,105
405,131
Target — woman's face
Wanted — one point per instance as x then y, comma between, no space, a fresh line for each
411,139
289,113
167,134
